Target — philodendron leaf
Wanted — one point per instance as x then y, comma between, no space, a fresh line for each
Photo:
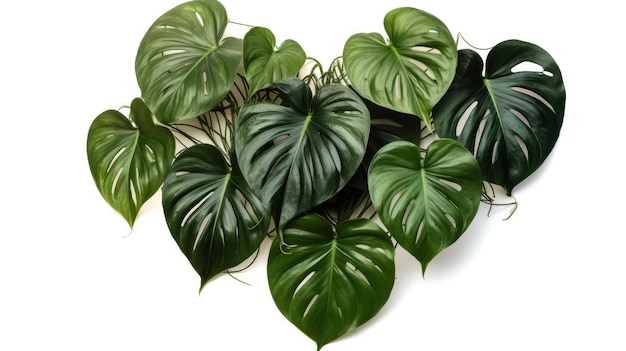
411,71
211,211
184,66
264,63
329,281
128,158
426,199
301,153
511,117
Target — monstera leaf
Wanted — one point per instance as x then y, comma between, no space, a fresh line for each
411,71
264,63
184,67
128,157
329,281
211,211
511,117
303,152
426,199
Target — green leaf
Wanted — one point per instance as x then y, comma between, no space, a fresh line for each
128,158
426,199
511,117
411,71
184,67
299,154
211,211
328,282
264,63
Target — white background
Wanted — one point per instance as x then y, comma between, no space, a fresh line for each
72,278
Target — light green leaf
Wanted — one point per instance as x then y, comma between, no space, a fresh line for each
329,281
301,153
411,71
510,118
264,63
184,66
211,211
128,158
426,199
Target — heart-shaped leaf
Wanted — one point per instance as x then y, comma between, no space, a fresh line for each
426,199
511,117
184,67
299,154
264,63
128,157
410,72
329,281
211,211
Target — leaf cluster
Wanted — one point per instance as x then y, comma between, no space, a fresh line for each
392,145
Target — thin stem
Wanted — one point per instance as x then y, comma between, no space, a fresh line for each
490,200
460,36
241,24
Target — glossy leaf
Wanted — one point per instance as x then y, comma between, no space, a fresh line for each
184,66
511,117
426,199
411,71
211,211
264,63
128,157
328,282
301,153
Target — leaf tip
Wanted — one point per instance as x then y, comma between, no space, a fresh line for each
424,266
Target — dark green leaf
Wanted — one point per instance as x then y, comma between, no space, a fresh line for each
184,67
264,63
328,282
128,158
425,199
211,211
410,72
302,153
388,125
511,117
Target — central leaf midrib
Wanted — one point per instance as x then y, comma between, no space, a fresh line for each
500,122
196,64
333,250
494,102
300,141
218,212
424,191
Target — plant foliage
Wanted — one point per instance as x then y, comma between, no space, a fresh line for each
510,117
184,66
392,144
411,70
426,198
128,157
302,152
211,211
317,275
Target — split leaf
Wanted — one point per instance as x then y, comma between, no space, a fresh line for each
128,157
211,211
328,281
511,117
426,199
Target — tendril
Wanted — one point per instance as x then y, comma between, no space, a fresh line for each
460,36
